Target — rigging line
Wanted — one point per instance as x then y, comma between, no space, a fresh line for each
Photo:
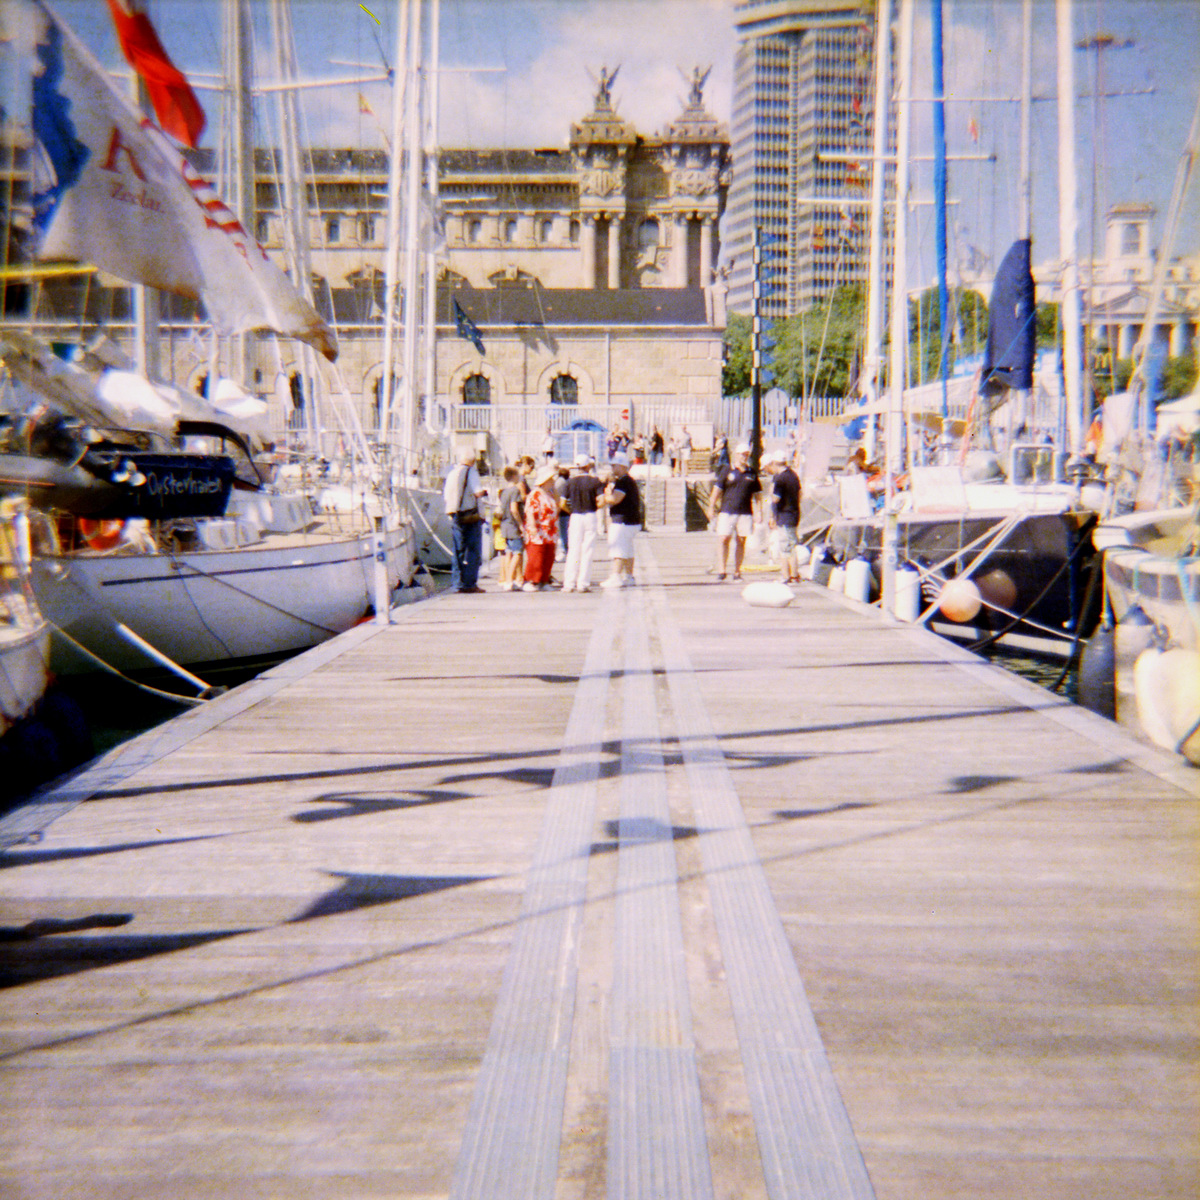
190,701
180,564
1083,541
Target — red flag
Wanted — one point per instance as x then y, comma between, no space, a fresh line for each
175,104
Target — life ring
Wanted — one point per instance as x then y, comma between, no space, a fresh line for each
100,535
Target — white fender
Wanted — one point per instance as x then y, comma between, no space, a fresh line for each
764,594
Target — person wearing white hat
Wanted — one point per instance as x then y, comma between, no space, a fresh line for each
541,529
737,506
579,496
623,500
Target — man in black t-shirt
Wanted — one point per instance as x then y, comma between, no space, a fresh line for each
785,489
580,495
624,502
737,505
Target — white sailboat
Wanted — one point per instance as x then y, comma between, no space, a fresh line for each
997,557
24,632
281,566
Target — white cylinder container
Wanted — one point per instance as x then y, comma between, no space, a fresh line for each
837,579
858,580
908,593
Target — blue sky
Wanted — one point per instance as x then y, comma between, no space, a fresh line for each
517,74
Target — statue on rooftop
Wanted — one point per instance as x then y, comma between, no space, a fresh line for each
604,87
698,80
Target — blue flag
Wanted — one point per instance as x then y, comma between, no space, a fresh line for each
466,328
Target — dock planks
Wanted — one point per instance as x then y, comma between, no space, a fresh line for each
641,894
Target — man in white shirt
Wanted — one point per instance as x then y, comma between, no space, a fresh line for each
462,494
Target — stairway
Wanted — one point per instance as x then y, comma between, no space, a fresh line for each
665,503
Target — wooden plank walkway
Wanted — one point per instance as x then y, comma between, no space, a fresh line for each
642,894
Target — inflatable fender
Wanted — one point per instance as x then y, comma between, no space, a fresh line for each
764,594
1167,683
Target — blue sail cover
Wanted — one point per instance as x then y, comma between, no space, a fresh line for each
1012,325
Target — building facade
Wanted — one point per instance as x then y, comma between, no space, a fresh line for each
589,272
802,131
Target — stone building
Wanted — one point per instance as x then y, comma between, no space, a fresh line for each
589,272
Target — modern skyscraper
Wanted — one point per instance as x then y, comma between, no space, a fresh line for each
801,132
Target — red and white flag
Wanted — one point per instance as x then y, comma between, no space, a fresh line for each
175,104
113,190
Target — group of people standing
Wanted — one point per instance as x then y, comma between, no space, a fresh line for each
539,508
736,506
543,507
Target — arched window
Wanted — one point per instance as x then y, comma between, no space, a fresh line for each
366,229
477,390
564,390
510,230
262,229
333,229
1131,242
546,230
574,233
648,234
474,230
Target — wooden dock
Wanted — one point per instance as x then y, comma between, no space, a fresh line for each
644,894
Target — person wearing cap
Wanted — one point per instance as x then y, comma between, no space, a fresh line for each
541,529
582,491
737,506
785,510
623,500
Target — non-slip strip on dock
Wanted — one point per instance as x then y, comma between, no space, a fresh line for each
657,1146
511,1139
805,1138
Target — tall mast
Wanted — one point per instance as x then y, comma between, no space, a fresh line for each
897,370
873,358
1068,230
1025,190
939,194
410,310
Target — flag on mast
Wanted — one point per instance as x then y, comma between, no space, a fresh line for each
175,104
110,188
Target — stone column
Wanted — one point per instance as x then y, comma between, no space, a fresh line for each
681,251
589,253
706,251
614,253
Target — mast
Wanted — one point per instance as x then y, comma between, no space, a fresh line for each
1068,230
897,370
392,257
939,192
410,309
873,357
433,94
239,73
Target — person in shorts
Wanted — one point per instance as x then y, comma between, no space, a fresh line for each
737,506
512,524
623,500
785,511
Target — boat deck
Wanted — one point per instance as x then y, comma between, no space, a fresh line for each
645,893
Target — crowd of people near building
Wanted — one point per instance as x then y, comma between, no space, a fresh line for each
549,512
543,514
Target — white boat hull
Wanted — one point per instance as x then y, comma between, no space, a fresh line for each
24,670
213,606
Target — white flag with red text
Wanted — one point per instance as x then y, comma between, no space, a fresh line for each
111,189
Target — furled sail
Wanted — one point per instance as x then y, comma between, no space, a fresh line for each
1012,325
112,190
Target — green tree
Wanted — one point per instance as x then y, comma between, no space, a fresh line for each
735,370
968,325
1047,325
